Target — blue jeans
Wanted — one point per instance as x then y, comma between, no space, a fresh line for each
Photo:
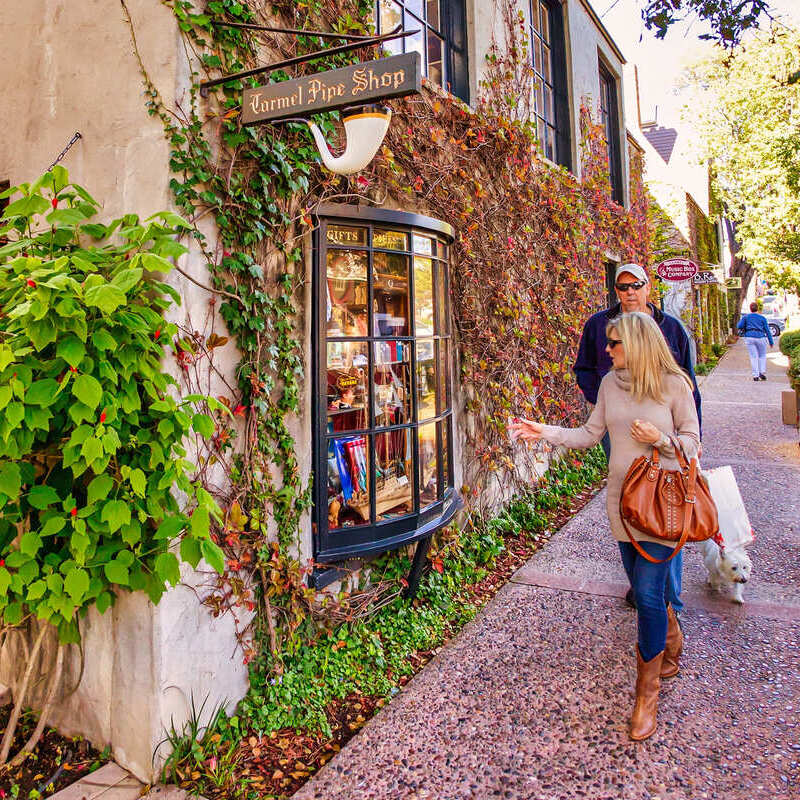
649,582
757,350
673,591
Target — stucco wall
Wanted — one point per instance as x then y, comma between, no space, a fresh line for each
67,66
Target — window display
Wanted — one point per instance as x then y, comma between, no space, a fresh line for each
385,335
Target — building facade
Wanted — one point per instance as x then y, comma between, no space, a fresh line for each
383,431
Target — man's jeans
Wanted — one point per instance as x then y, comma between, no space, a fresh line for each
673,587
649,583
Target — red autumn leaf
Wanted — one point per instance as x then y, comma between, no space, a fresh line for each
438,565
54,202
102,416
74,511
32,283
157,333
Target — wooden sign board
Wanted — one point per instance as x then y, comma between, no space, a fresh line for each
734,282
395,76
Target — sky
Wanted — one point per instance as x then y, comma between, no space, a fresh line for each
661,62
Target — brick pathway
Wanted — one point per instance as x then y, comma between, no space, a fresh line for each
532,699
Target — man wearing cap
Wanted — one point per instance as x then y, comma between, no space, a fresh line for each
632,287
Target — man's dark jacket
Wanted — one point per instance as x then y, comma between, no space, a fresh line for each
593,362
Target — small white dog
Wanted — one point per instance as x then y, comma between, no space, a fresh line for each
727,566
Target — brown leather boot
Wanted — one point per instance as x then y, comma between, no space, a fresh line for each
648,682
674,646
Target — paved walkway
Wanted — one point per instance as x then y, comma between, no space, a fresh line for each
532,699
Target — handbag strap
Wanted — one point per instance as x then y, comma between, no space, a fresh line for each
687,518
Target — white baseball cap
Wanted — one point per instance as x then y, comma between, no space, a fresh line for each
634,269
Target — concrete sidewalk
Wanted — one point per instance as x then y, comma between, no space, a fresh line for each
532,699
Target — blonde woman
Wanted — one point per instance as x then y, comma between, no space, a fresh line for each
645,399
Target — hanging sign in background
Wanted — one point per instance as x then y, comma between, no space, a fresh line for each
676,269
383,79
733,282
704,277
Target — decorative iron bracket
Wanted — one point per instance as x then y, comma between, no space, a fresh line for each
397,33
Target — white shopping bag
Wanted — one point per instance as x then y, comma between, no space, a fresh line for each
734,524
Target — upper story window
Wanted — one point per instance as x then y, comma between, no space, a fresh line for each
441,41
609,118
548,53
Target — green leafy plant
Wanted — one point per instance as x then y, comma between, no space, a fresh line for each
92,435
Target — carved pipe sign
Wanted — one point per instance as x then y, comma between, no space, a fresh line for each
357,84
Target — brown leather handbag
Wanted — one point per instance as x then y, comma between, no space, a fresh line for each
672,505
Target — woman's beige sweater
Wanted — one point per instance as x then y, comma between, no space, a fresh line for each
615,411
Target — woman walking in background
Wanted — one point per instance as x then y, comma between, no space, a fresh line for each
755,329
643,401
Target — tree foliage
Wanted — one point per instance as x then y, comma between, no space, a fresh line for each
746,109
728,19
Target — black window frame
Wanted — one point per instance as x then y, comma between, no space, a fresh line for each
555,44
609,117
452,31
379,536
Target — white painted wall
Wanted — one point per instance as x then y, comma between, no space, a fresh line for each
67,66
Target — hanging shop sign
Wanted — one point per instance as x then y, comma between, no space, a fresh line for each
733,282
705,277
358,84
676,269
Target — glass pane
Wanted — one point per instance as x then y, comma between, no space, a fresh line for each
537,54
390,295
348,483
547,112
426,379
423,295
433,14
428,464
390,17
424,245
551,144
535,14
417,41
415,7
547,58
347,235
435,49
539,100
346,303
444,433
441,249
392,383
394,474
442,321
389,240
443,374
346,386
545,21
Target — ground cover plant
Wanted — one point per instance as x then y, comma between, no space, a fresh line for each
290,725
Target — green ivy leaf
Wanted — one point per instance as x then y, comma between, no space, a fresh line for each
91,450
42,496
99,488
104,601
167,568
106,297
103,340
116,572
127,279
190,551
42,393
170,527
204,425
76,584
138,481
88,390
10,480
5,580
213,555
13,614
15,413
52,526
131,533
200,523
36,590
72,350
116,513
29,543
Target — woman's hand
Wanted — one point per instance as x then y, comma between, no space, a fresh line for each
526,429
645,432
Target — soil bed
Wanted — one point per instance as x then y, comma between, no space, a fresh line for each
56,762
